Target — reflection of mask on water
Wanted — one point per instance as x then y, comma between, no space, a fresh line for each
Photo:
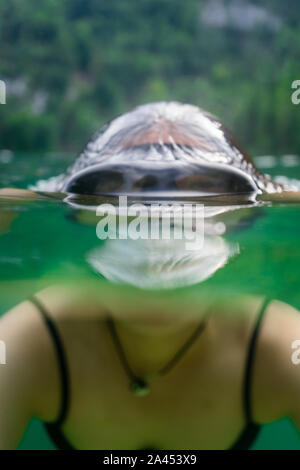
160,264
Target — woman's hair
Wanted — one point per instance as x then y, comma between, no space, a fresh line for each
165,146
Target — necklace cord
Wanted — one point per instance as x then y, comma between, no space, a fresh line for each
164,370
119,347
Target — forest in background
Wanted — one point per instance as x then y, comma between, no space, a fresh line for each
71,65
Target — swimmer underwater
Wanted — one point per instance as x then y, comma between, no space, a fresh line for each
144,359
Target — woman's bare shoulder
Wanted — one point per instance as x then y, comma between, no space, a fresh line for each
67,301
31,356
276,377
30,365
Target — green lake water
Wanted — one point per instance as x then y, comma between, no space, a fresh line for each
44,246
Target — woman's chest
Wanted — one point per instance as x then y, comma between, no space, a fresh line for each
190,408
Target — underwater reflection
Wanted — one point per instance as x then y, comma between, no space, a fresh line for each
170,263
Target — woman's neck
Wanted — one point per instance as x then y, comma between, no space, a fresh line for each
152,333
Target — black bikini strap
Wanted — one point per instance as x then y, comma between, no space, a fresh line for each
250,363
63,368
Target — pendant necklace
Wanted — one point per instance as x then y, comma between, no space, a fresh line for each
139,385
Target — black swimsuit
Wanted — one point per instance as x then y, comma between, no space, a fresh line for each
246,438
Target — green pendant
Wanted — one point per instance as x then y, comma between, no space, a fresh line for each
139,387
